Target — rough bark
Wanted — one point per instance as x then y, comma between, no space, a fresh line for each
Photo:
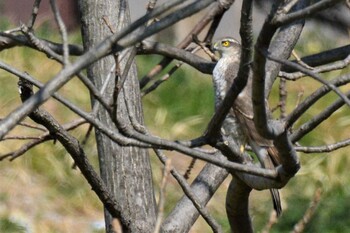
126,170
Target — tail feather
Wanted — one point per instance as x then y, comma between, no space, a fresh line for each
276,201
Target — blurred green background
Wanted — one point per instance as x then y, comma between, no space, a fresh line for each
40,192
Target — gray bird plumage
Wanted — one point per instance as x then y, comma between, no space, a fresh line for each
241,113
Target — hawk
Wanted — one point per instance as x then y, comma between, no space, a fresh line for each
243,129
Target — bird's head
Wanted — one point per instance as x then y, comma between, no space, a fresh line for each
227,47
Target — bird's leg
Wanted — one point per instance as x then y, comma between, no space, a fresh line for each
243,145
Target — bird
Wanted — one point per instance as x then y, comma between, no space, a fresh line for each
243,129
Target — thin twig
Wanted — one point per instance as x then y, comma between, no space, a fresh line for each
283,93
37,43
166,76
30,126
320,69
184,55
300,226
49,52
187,190
272,221
308,11
313,98
26,147
322,58
160,213
325,148
20,138
8,41
35,11
42,138
317,120
189,168
63,31
215,10
313,75
298,59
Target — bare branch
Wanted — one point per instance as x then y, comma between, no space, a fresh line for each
265,72
183,216
97,52
280,19
89,117
58,97
41,139
272,221
216,12
299,227
26,147
190,194
63,31
160,213
321,69
313,98
19,138
159,143
30,126
150,47
237,206
73,147
322,58
325,148
35,11
37,43
242,77
283,97
189,169
8,41
318,119
313,75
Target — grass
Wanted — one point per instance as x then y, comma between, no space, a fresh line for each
39,192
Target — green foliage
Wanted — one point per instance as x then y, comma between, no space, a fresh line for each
8,225
182,105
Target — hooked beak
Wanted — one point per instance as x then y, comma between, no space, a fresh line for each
215,46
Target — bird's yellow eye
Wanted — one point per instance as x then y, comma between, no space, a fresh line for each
225,43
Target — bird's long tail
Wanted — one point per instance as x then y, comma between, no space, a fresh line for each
276,201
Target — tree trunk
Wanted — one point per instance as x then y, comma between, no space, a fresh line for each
126,170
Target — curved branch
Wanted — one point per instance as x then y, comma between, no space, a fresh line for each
316,120
313,75
237,203
266,72
313,98
324,148
74,148
190,194
151,47
322,58
42,138
305,12
8,41
321,69
129,37
159,143
215,12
